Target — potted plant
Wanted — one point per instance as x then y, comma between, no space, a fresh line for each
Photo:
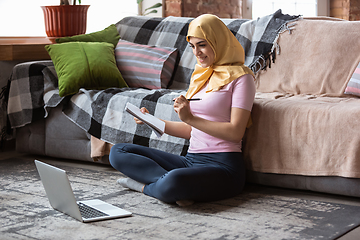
65,19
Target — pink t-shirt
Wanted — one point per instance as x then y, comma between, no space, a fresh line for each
216,106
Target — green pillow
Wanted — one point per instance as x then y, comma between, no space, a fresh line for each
109,34
89,65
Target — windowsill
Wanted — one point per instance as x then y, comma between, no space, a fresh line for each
23,48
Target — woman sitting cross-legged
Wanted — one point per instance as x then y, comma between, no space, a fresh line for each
213,167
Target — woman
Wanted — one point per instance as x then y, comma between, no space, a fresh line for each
213,168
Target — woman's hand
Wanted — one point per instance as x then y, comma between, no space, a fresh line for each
176,129
231,131
143,110
182,108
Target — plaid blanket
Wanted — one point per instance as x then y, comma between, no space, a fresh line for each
256,36
106,119
34,86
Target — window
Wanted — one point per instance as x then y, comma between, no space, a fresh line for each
253,9
292,7
25,17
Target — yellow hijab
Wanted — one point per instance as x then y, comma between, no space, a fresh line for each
229,55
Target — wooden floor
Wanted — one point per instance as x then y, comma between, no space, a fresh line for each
353,235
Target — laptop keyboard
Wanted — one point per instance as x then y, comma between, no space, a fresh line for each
89,212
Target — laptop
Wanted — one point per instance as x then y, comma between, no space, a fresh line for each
61,197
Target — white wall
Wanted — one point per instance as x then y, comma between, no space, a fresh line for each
25,17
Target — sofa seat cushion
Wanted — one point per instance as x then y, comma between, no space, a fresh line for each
31,138
318,57
326,184
304,135
64,139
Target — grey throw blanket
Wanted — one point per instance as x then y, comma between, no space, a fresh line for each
256,36
101,113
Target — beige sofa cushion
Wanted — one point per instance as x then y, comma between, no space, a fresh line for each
304,135
318,57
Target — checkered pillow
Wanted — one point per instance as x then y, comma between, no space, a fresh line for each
145,66
353,86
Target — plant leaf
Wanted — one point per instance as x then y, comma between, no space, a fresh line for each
153,11
139,1
154,6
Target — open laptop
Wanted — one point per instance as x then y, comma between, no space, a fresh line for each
61,197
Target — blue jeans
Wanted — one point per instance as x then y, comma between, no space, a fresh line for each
169,177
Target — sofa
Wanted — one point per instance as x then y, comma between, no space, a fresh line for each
304,133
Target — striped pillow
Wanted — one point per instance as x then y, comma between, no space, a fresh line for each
353,86
145,66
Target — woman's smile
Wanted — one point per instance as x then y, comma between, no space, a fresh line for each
202,59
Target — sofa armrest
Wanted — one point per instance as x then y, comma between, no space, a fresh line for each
26,93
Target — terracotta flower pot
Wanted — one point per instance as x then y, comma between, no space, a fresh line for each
65,20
